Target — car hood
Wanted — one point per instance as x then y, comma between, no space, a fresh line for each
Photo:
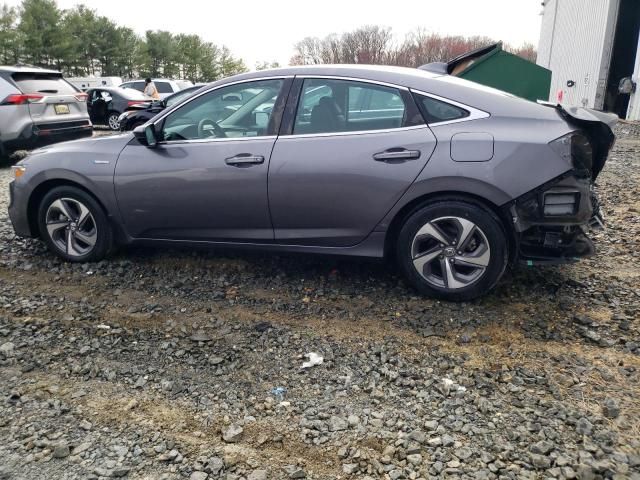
86,148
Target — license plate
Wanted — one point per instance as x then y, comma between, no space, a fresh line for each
61,109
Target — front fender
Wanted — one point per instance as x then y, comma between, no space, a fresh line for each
99,182
29,189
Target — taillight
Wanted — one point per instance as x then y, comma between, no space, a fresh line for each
81,97
131,103
22,98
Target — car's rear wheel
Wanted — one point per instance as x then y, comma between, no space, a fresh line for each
73,225
453,250
112,121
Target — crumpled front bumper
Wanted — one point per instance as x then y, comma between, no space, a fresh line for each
18,211
550,222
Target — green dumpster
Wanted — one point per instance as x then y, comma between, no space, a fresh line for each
494,67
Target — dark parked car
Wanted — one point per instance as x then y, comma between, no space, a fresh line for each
452,179
141,113
105,104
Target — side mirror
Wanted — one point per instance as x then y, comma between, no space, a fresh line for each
146,134
626,86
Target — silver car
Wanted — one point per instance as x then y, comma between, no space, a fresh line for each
38,105
453,180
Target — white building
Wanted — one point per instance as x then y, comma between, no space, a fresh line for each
589,46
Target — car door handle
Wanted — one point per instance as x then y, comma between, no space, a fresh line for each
244,159
396,154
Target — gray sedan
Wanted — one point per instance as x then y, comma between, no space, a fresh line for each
451,179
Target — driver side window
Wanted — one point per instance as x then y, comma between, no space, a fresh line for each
241,110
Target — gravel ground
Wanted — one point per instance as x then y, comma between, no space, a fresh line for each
188,365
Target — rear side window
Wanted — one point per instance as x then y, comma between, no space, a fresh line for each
46,83
435,111
328,106
163,87
135,85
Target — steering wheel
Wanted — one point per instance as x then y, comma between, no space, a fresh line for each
218,131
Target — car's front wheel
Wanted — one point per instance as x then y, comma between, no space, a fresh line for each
453,250
112,121
73,225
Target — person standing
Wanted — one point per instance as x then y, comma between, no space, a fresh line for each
150,89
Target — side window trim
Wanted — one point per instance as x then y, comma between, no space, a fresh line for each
412,120
474,113
291,108
272,130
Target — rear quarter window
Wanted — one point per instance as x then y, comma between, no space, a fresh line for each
163,87
435,111
135,85
43,83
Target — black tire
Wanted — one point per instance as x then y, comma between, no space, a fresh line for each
112,121
492,233
103,233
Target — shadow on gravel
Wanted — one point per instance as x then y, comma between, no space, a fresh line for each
530,300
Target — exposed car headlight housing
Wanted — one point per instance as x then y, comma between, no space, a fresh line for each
124,115
581,153
576,150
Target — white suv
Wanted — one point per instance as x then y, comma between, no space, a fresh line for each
38,106
165,86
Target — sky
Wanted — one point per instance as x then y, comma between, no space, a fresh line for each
266,30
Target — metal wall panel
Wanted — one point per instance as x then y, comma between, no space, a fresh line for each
545,45
576,41
633,113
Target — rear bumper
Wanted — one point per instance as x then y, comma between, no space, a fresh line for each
41,134
550,222
73,128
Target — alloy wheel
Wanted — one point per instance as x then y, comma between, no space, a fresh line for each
71,227
450,252
114,124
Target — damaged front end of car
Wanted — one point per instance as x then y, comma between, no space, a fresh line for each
550,221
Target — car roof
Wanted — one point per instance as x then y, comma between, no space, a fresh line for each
153,80
125,92
346,70
26,69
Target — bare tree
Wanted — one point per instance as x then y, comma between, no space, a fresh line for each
308,52
374,44
527,51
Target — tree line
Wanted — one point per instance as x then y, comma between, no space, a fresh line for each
79,42
373,44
